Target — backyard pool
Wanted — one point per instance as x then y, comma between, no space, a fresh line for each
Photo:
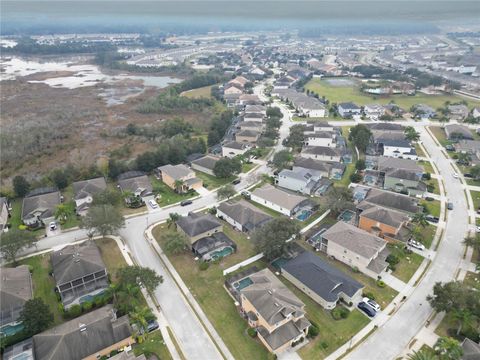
304,215
346,216
241,284
221,253
10,330
278,263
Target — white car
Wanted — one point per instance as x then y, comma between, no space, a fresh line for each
53,226
416,245
372,304
153,204
455,175
477,229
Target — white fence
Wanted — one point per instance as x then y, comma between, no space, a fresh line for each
243,263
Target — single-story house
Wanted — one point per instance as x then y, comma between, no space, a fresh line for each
383,222
196,226
458,111
248,136
274,311
424,111
205,164
322,282
468,146
79,273
83,192
458,132
15,290
39,207
323,153
242,215
179,178
390,200
214,246
233,148
4,212
471,350
356,248
348,109
279,200
135,182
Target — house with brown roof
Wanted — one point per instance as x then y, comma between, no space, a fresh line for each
274,311
385,223
179,178
355,247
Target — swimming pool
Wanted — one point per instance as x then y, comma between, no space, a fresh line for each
221,253
304,215
10,330
241,284
346,215
278,263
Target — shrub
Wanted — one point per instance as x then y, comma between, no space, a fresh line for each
340,313
369,295
74,311
113,353
203,265
355,269
87,305
381,284
22,227
252,332
313,331
392,260
324,345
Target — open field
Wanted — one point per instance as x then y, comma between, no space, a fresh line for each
338,94
203,92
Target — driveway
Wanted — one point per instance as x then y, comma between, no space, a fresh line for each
202,191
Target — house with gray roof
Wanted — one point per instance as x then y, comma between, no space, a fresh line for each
136,183
196,226
315,167
322,282
38,207
471,147
214,247
92,335
83,192
348,109
404,181
471,350
458,132
298,180
205,164
390,200
458,112
242,215
15,290
355,247
233,148
274,311
384,164
4,212
279,200
323,153
79,273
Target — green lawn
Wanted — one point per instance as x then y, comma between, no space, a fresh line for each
427,166
408,264
434,184
475,198
333,333
472,280
16,217
168,196
207,287
202,92
247,167
473,182
420,151
338,94
265,209
111,255
44,284
212,182
153,344
431,207
440,134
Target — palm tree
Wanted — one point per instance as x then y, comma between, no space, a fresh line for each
139,317
179,186
127,298
172,219
473,241
448,348
464,318
422,355
62,212
420,218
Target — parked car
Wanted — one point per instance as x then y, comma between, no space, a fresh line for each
372,303
53,226
236,181
186,202
449,148
416,244
429,198
367,309
467,175
455,175
152,325
450,206
153,204
432,219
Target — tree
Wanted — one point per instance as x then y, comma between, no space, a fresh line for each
175,242
420,218
13,241
475,172
271,238
360,135
35,316
226,167
137,275
422,355
411,134
172,219
179,186
140,317
355,177
226,192
360,164
448,348
447,296
107,196
296,138
63,212
472,241
282,159
338,198
464,318
59,178
464,158
103,220
20,186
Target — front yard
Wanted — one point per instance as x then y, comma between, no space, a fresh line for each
168,196
408,264
431,207
476,199
439,133
212,182
153,344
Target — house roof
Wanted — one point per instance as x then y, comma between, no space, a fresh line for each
75,261
471,350
255,108
208,161
312,164
402,174
195,224
283,334
321,134
176,172
385,126
210,243
467,145
386,163
297,174
82,336
385,216
136,183
322,278
82,189
354,239
236,145
349,106
396,143
15,290
458,129
44,204
253,115
248,133
281,198
390,200
245,214
321,150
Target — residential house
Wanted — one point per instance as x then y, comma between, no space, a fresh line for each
385,223
322,282
356,248
249,99
79,273
298,180
86,337
39,206
399,149
316,167
136,183
425,112
83,192
404,181
196,226
258,109
15,290
179,178
476,112
458,112
248,136
233,89
386,126
239,81
253,117
471,147
274,311
205,164
458,132
390,200
233,148
373,111
305,105
242,215
348,109
4,213
385,164
471,350
284,82
279,200
318,126
251,125
321,138
323,153
214,247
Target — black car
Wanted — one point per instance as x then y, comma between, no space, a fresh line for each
236,181
367,309
432,219
185,202
152,325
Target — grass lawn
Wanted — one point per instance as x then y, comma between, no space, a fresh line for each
434,184
153,344
408,264
420,151
333,333
212,182
472,280
428,235
111,255
207,287
440,135
265,209
43,283
473,182
247,167
475,198
16,217
431,207
427,166
202,92
168,196
338,94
